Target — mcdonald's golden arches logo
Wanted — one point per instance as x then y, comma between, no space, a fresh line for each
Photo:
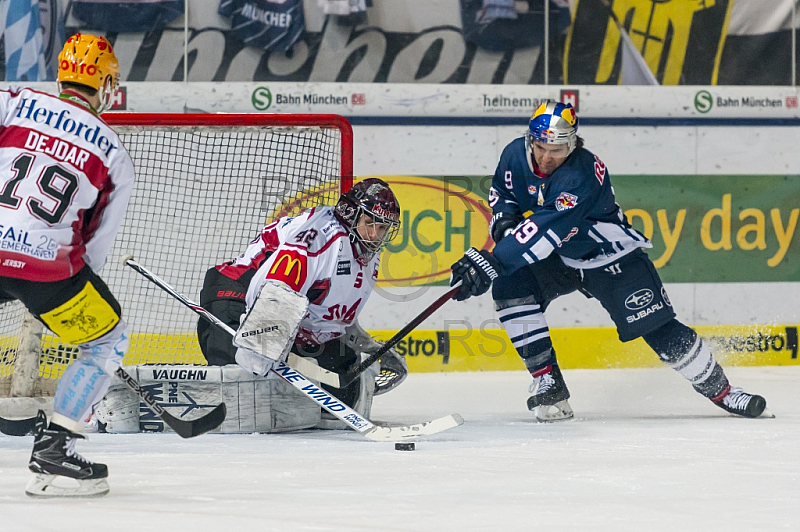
290,268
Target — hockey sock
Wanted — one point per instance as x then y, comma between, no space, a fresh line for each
528,331
680,348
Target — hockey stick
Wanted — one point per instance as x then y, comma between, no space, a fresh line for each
309,369
352,374
297,362
184,428
17,427
330,404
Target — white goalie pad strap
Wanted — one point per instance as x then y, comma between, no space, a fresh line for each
271,324
255,404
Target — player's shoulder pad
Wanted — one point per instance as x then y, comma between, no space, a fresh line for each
319,228
582,170
513,149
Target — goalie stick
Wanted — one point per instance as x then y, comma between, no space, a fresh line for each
293,376
183,427
309,369
352,374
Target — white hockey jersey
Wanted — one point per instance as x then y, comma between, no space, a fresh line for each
65,182
313,255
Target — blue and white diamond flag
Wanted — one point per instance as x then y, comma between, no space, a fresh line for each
24,41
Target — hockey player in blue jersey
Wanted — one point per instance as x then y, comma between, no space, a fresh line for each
558,229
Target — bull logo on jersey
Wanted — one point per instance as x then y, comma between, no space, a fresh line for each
290,268
85,323
565,201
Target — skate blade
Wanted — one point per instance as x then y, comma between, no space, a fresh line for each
561,411
43,486
767,414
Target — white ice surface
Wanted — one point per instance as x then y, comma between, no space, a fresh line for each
645,453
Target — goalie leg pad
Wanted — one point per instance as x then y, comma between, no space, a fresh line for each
255,404
272,322
281,408
357,395
118,412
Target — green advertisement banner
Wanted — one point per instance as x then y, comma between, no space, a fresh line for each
704,229
709,229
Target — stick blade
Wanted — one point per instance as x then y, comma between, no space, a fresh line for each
17,427
190,428
410,432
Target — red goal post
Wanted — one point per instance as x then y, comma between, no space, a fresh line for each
205,186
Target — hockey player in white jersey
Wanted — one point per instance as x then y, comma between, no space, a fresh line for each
65,182
328,255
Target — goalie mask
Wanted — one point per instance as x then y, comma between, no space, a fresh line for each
89,60
371,214
552,123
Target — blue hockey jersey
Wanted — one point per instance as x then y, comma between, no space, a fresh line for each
273,25
572,212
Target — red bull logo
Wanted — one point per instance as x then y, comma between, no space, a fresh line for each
566,201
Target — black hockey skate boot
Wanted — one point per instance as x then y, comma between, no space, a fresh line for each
54,456
737,401
549,402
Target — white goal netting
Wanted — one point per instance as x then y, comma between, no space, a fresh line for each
205,186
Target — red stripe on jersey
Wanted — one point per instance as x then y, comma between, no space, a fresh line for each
269,237
81,159
332,239
289,267
90,225
22,266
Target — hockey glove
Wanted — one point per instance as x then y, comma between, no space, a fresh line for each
503,223
394,371
476,270
359,340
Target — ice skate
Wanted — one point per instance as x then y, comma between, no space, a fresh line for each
549,402
737,401
58,470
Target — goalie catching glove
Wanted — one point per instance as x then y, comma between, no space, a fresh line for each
393,368
476,270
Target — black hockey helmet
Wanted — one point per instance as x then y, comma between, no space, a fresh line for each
374,198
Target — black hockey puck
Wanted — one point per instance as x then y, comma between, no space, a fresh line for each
405,446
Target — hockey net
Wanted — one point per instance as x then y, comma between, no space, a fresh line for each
206,184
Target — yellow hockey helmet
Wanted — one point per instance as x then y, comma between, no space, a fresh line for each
89,60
